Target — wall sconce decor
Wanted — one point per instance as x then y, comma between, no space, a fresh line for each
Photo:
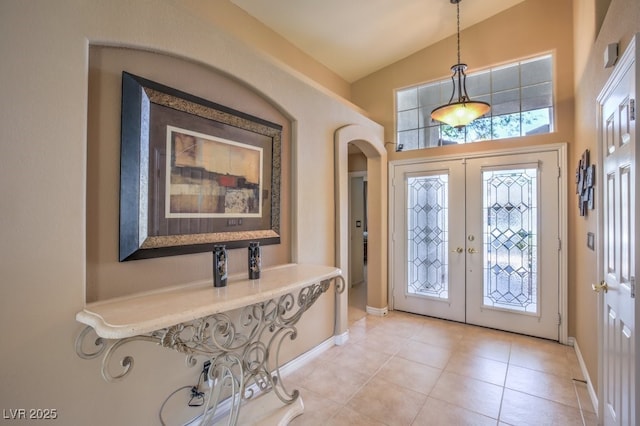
585,181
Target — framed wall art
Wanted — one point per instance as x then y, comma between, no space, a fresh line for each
194,174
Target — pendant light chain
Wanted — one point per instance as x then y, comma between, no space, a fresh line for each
458,13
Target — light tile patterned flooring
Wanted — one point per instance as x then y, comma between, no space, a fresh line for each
406,369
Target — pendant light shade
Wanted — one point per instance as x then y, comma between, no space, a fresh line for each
463,111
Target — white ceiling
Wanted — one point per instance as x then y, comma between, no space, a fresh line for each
357,37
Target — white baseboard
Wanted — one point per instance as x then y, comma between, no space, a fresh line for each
378,312
341,339
583,367
303,359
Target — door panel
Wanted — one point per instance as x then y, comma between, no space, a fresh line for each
618,147
428,264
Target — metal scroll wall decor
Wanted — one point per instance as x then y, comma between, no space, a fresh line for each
244,354
585,181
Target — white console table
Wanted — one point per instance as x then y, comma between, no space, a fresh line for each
194,319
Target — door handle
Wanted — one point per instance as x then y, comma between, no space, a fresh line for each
471,250
600,287
458,250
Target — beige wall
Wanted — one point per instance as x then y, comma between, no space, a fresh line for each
530,28
619,25
44,166
232,19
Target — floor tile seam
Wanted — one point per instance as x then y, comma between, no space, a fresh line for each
346,404
413,420
501,402
544,356
567,374
575,389
589,403
362,414
548,398
366,382
542,397
433,344
468,408
410,389
321,397
549,373
476,378
464,354
491,359
368,349
342,403
472,378
418,362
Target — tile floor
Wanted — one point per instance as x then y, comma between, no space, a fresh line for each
406,369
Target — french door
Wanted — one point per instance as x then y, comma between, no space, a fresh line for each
477,240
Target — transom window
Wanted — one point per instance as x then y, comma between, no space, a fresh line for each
520,94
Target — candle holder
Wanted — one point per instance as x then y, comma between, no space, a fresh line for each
255,263
219,266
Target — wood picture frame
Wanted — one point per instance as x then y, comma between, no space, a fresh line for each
194,174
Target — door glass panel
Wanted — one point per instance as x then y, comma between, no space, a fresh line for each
427,235
510,239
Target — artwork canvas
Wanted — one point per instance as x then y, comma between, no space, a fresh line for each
209,176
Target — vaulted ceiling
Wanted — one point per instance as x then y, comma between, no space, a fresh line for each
357,37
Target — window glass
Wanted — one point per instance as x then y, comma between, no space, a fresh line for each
407,99
520,95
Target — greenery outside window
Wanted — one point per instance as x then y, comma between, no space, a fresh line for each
520,94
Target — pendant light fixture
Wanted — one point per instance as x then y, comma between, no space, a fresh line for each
463,111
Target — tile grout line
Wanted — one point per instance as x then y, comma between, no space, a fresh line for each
575,390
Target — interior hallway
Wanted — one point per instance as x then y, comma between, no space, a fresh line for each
406,369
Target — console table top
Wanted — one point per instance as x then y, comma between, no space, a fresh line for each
146,312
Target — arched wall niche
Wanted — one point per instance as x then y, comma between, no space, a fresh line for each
372,147
106,277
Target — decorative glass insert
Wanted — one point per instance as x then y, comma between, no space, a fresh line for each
520,94
511,239
427,227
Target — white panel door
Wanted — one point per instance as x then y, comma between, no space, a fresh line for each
620,232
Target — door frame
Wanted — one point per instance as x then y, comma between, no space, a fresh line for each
561,150
353,175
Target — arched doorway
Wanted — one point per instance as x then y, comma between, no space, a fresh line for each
372,146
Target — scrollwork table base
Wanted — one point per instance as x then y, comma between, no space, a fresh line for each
239,328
